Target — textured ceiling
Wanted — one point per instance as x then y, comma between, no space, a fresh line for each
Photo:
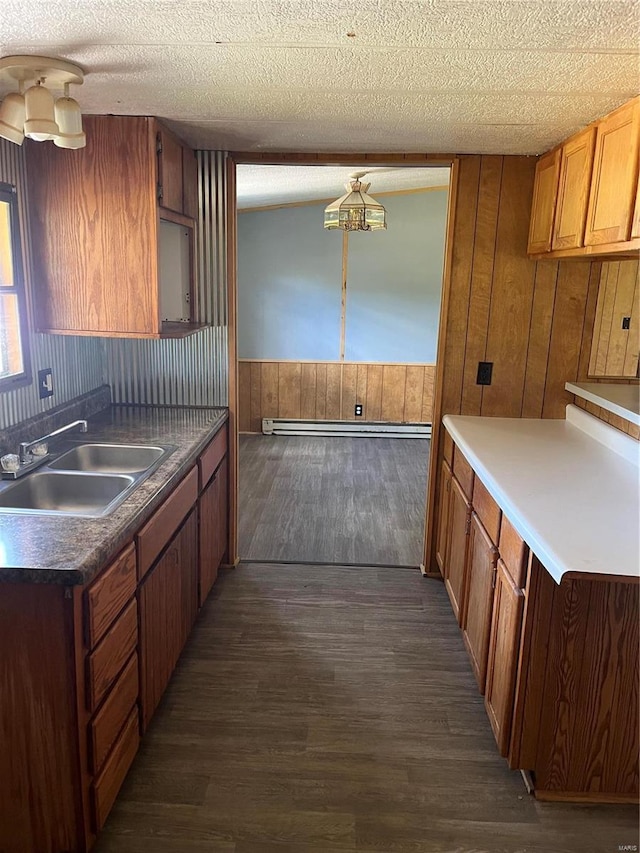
498,76
258,186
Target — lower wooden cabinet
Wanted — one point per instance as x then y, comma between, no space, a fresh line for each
443,516
168,606
106,786
478,607
212,508
459,520
504,648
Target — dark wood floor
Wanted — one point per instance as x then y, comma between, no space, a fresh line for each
319,710
332,500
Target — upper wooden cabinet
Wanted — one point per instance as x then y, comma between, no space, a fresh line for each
615,177
573,195
585,191
545,192
99,231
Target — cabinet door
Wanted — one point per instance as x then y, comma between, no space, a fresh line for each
476,621
169,171
504,648
615,176
573,195
190,183
443,517
213,511
545,191
168,607
635,225
457,541
223,509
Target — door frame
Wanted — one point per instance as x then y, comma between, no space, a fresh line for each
237,158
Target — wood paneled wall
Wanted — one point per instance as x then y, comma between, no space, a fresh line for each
532,319
330,390
615,350
608,417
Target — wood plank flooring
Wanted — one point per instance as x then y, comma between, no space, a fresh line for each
324,709
332,500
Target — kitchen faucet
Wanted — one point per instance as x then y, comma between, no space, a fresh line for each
26,446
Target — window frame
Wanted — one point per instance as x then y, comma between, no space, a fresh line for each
9,194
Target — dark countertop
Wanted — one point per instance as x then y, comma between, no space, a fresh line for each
72,550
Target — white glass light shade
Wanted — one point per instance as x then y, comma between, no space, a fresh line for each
355,211
12,118
40,121
69,121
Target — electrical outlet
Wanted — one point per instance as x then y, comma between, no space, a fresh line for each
626,322
485,369
358,410
45,383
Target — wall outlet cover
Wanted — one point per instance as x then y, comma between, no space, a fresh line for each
45,383
358,410
485,370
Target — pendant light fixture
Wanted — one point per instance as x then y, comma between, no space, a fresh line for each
355,211
34,112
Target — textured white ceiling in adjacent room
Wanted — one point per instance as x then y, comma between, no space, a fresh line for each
501,76
258,186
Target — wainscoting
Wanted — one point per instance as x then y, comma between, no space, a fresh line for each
330,390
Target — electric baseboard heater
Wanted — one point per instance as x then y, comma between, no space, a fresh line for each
352,429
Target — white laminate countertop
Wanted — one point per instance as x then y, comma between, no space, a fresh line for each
622,400
571,488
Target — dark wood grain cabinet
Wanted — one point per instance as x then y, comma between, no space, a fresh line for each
113,231
443,516
478,609
459,520
213,529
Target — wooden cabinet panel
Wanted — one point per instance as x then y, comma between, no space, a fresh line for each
487,509
504,648
107,785
107,660
545,192
190,183
106,597
212,456
573,194
108,722
513,552
443,517
463,472
476,621
213,529
168,600
457,542
169,170
447,450
635,223
615,177
94,271
163,524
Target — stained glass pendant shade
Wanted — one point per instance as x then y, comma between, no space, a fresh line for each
355,211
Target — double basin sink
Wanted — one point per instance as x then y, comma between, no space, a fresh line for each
88,480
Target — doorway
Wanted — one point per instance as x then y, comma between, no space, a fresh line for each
336,332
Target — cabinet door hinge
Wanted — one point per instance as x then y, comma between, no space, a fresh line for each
158,144
467,528
494,577
159,191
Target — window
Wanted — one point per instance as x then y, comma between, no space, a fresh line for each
14,363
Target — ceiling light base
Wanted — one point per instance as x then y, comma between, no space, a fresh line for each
57,72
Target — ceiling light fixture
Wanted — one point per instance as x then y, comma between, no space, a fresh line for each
355,211
34,112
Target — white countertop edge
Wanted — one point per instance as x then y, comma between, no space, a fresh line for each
587,391
612,438
552,562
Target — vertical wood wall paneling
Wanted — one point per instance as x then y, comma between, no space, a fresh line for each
615,350
76,362
190,371
533,320
330,391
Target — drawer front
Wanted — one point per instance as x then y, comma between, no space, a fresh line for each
106,786
448,448
107,660
212,457
106,597
108,722
463,472
486,509
513,552
161,526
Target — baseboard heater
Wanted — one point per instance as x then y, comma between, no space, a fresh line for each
352,429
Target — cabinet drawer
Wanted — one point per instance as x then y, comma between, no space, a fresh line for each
512,552
486,509
108,722
110,656
106,597
212,457
463,472
448,448
105,788
161,526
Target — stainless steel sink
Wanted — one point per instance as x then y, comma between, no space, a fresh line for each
109,458
54,492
